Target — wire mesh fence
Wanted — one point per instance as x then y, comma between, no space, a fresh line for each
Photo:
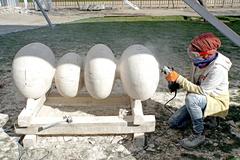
113,4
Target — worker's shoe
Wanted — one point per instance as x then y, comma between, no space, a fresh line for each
192,141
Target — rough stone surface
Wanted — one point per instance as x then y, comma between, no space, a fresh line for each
3,119
9,148
82,148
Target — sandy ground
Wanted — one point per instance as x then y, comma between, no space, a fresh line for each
12,21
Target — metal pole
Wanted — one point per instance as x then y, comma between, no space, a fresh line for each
224,29
25,4
78,5
173,3
44,14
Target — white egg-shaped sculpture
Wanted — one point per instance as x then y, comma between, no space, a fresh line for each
139,72
33,70
99,71
68,75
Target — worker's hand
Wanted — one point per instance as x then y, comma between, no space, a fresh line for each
172,76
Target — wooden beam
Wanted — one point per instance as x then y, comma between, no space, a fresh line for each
137,112
94,129
82,121
30,111
86,100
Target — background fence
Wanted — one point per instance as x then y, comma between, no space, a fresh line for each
113,4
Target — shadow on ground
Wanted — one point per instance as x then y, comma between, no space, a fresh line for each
5,29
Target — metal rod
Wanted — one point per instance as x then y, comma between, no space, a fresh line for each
224,29
44,14
67,119
78,4
131,4
173,3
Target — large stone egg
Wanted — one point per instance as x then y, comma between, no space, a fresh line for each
139,72
33,69
68,74
99,71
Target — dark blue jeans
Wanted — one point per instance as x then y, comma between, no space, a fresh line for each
192,110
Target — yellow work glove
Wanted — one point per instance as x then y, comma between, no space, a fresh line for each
172,76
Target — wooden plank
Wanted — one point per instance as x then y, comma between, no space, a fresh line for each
137,112
82,120
86,100
30,111
78,129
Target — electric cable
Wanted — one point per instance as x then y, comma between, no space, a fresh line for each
165,105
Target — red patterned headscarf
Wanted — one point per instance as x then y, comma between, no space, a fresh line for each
205,43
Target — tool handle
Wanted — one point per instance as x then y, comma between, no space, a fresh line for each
50,125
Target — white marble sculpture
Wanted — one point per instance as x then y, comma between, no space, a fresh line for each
99,71
68,76
33,69
139,72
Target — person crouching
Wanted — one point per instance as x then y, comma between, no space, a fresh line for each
208,95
